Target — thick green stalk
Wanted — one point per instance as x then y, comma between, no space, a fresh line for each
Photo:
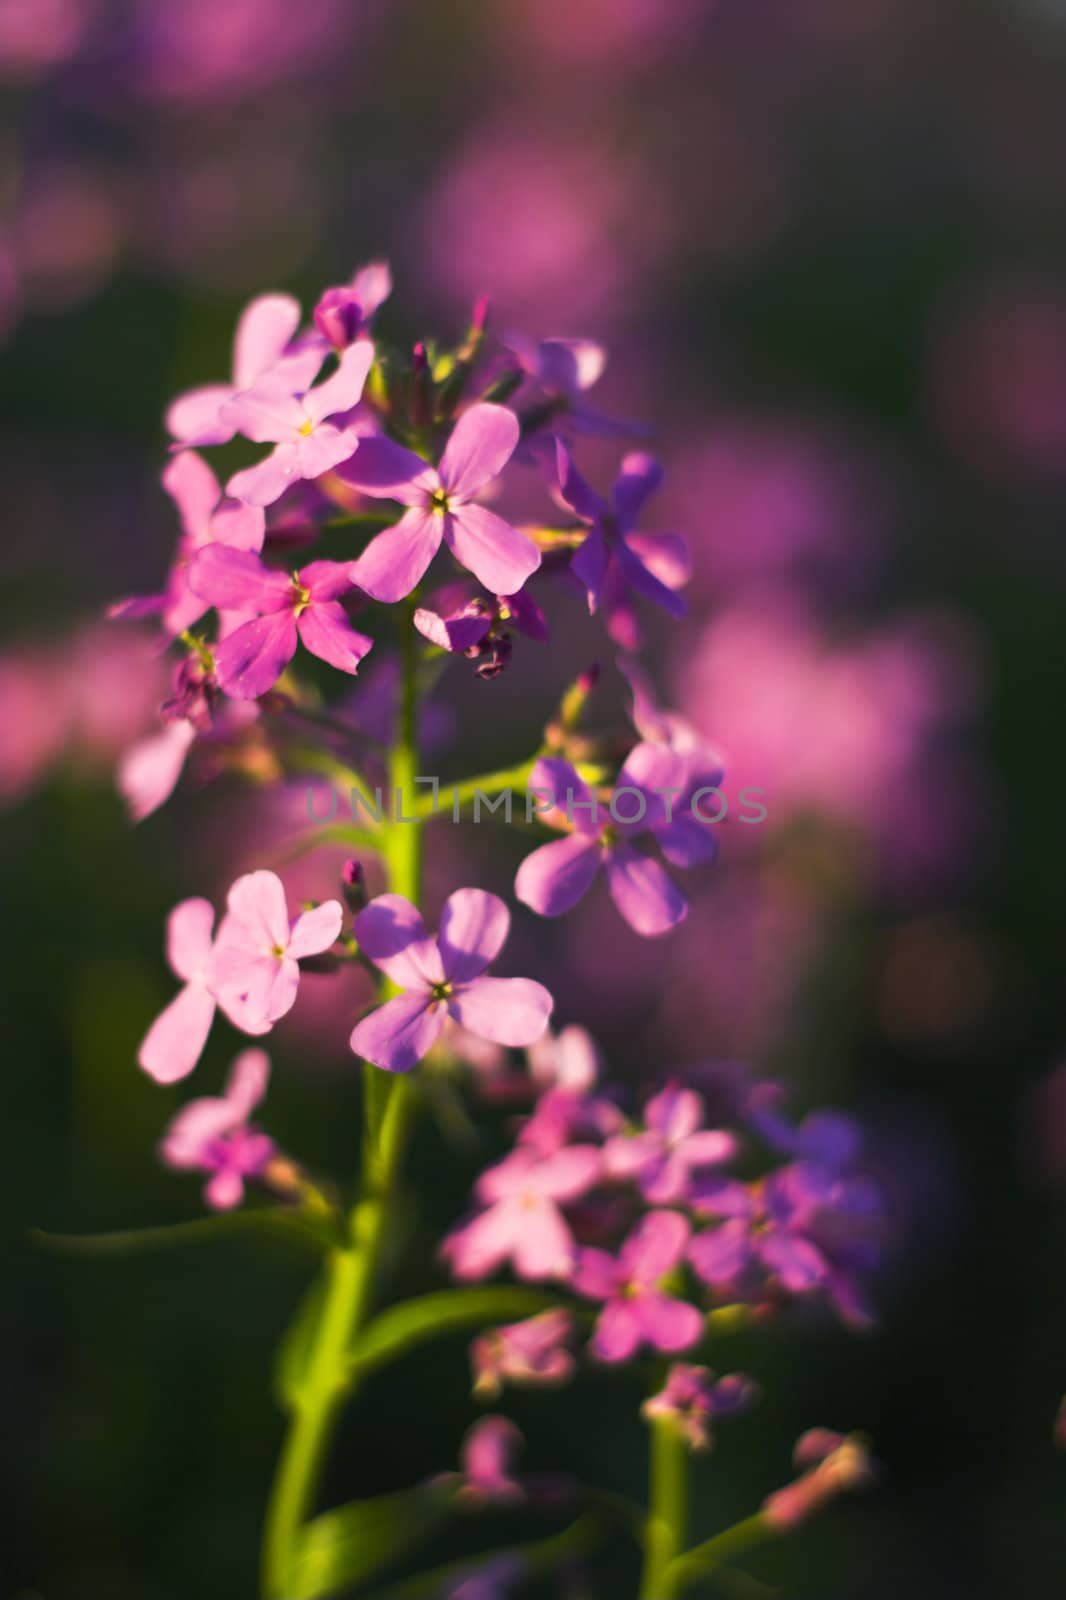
351,1272
667,1525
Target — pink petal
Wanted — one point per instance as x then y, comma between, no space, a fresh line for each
543,1245
257,904
326,631
385,470
251,660
511,1011
481,444
473,927
174,1042
643,893
238,525
655,1246
643,580
189,928
324,449
237,580
570,1172
264,329
372,285
225,1191
344,389
399,1033
191,1132
641,475
150,769
195,417
617,1335
326,580
554,878
674,1113
314,931
391,932
666,1323
596,1274
666,556
273,983
193,487
455,633
261,485
247,1083
266,414
498,555
485,1243
394,562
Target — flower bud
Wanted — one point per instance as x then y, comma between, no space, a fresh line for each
339,317
837,1465
353,885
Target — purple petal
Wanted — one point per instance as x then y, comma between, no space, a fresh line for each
193,487
394,562
643,893
343,390
391,932
498,555
261,485
666,555
722,1254
241,526
674,1112
511,1011
399,1033
326,580
481,444
323,449
617,1333
175,1041
456,633
686,842
554,878
326,631
386,470
264,329
473,927
251,660
644,582
795,1261
589,565
596,1274
641,475
578,494
237,580
654,1247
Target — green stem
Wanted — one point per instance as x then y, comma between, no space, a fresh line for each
457,795
351,1272
709,1557
667,1525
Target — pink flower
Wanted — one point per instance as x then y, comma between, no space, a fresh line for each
305,443
488,1455
206,519
257,950
174,1042
443,977
636,1311
661,1159
259,349
441,507
213,1134
523,1223
692,1399
305,605
149,770
531,1354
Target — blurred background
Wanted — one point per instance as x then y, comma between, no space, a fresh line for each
825,241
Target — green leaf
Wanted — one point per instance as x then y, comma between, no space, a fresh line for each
344,1547
290,1372
400,1328
276,1223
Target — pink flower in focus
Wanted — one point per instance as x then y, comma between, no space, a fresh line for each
303,606
213,1134
636,1311
260,349
257,951
442,508
443,977
523,1223
281,410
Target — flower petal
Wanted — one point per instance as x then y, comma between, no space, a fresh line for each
578,494
666,1323
512,1011
645,896
391,932
247,1083
266,482
265,327
473,927
150,768
256,903
385,470
173,1044
189,928
343,390
193,487
641,475
555,877
195,417
543,1245
481,444
250,660
326,631
237,580
398,1034
655,1246
315,930
498,555
394,562
617,1335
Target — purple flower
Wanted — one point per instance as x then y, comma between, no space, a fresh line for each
306,444
305,605
214,1135
477,626
637,1312
692,1399
441,507
532,1354
256,954
487,1457
344,314
661,1159
523,1222
615,558
260,350
206,519
655,786
174,1042
443,977
561,367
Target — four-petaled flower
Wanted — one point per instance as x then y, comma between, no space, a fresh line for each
441,507
306,444
533,1353
442,977
661,1158
637,1311
304,605
524,1223
214,1135
257,951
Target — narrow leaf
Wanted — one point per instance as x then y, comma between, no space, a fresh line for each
344,1547
279,1224
290,1373
400,1328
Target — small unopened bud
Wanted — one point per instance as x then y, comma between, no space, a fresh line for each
353,885
339,317
421,387
285,1178
838,1464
